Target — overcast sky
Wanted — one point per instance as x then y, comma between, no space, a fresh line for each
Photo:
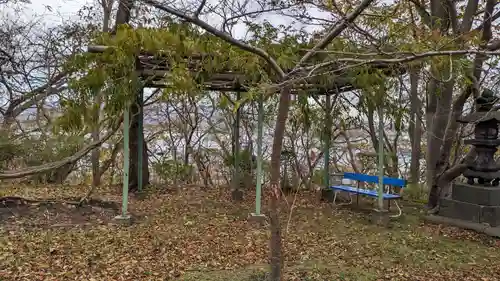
53,11
58,11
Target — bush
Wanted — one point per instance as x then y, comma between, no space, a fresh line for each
247,164
416,192
35,151
170,170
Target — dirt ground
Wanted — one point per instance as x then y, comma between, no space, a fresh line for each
16,213
195,234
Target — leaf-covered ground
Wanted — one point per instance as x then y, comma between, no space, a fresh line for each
191,234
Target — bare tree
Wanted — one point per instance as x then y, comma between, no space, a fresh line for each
283,107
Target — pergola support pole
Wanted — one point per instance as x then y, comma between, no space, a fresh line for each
258,216
327,139
237,194
140,139
126,164
260,125
380,158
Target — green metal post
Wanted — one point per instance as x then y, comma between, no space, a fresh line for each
236,155
260,126
327,139
126,160
140,138
380,158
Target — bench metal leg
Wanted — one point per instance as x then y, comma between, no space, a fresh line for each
399,210
341,204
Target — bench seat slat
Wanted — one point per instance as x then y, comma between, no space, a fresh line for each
368,192
375,179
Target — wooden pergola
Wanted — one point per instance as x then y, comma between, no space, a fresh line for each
154,71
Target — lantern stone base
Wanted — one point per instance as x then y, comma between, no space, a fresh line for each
476,194
478,227
472,203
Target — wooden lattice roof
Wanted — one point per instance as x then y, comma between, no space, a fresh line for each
155,71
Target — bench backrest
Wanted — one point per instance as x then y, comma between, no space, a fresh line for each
374,179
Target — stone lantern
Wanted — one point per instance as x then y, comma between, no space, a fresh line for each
478,200
485,142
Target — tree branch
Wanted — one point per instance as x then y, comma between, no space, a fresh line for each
455,171
426,17
335,31
254,13
58,164
493,46
493,18
485,38
200,8
107,163
15,108
468,17
452,13
378,61
224,36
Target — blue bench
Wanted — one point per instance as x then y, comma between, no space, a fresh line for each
388,182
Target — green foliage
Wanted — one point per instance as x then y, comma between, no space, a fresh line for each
303,114
246,167
37,151
172,170
192,57
245,159
374,84
318,177
9,149
416,192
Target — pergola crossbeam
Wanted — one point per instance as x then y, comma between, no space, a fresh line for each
155,72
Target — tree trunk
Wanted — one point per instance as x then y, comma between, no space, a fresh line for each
444,125
279,132
109,163
439,96
437,133
123,13
136,116
415,128
96,153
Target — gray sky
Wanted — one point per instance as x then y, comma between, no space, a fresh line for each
54,11
59,11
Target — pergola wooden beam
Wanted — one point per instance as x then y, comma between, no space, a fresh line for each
232,82
231,87
155,72
98,49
